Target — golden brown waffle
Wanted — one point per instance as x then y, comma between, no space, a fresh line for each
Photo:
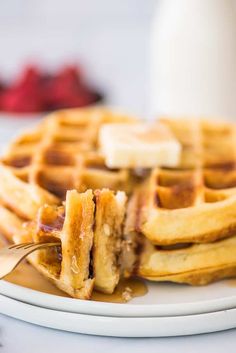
62,153
22,197
176,207
197,201
193,203
108,235
195,264
205,144
89,229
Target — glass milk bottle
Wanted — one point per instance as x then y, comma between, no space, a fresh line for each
193,59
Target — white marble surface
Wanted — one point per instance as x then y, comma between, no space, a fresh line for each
20,337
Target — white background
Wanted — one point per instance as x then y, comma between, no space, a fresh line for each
108,37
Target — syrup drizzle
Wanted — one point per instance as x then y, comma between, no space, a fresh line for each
231,282
26,276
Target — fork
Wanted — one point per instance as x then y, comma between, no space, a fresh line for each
12,255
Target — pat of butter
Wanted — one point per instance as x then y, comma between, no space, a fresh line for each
142,145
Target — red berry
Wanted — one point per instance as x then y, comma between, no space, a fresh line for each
22,101
35,92
30,78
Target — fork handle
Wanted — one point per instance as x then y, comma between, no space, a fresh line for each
10,257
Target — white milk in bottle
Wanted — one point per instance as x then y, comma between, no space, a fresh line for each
193,58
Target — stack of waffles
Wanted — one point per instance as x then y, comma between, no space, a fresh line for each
181,223
167,224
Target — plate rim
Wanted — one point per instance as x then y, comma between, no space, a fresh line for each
119,326
72,305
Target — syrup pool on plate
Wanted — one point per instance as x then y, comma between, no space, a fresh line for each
26,276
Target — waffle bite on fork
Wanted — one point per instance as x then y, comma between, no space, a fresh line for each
89,229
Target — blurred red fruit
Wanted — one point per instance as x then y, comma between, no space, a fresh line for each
35,91
22,101
31,77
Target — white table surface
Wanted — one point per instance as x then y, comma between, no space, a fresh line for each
20,337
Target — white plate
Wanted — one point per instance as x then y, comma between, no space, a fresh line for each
162,299
119,326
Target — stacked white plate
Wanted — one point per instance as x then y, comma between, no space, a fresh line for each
166,310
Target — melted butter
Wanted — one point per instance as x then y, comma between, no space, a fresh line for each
26,276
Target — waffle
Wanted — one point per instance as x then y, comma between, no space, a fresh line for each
89,229
62,154
38,168
195,264
205,144
176,207
195,202
180,223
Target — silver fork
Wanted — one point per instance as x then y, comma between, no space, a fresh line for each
12,255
